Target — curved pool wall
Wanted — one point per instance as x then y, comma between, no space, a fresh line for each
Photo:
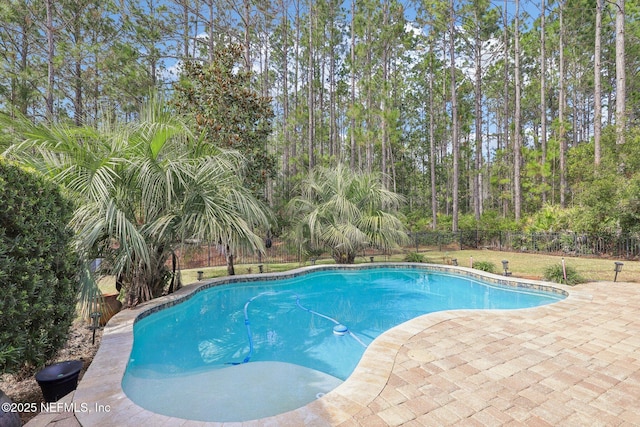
366,381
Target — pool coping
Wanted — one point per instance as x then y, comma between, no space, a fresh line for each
104,402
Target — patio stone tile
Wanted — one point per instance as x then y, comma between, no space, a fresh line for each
472,400
420,405
393,396
501,403
373,420
454,375
410,391
631,416
491,418
460,409
446,416
396,415
443,398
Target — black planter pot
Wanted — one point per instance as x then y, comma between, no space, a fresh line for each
58,380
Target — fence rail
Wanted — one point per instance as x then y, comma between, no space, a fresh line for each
623,246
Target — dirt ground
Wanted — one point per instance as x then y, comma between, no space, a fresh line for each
23,388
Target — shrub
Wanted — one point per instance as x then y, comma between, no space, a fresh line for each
414,257
487,266
554,273
37,269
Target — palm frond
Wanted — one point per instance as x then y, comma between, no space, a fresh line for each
346,211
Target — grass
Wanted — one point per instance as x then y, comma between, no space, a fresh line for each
523,265
528,265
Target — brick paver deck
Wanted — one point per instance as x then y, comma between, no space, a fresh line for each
572,363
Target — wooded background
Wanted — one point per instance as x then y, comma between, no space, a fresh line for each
535,125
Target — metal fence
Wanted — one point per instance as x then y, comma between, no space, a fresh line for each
621,246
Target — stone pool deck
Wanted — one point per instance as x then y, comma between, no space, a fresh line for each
573,363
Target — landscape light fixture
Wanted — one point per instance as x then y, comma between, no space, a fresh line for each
617,269
505,267
95,316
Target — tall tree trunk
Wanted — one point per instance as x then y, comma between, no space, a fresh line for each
24,53
477,195
320,58
231,270
185,6
561,112
369,112
247,33
383,99
78,102
621,114
543,93
185,28
454,114
444,147
196,29
311,106
597,90
333,146
211,34
432,144
285,97
78,114
505,108
517,142
296,81
370,108
353,86
50,60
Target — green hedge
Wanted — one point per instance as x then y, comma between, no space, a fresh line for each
38,280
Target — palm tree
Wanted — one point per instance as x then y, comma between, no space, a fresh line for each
346,212
143,189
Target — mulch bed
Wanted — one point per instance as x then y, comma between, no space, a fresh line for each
23,388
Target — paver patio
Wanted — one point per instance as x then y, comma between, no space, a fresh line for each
574,363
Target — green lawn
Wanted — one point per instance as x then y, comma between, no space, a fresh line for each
524,265
533,265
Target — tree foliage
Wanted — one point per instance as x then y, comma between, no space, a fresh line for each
144,189
219,98
346,212
365,83
38,268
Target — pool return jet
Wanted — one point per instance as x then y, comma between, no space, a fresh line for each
338,329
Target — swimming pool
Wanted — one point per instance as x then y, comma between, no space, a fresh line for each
249,350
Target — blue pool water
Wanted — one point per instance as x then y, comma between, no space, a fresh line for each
250,350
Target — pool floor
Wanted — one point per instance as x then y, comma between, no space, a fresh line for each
575,362
259,389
